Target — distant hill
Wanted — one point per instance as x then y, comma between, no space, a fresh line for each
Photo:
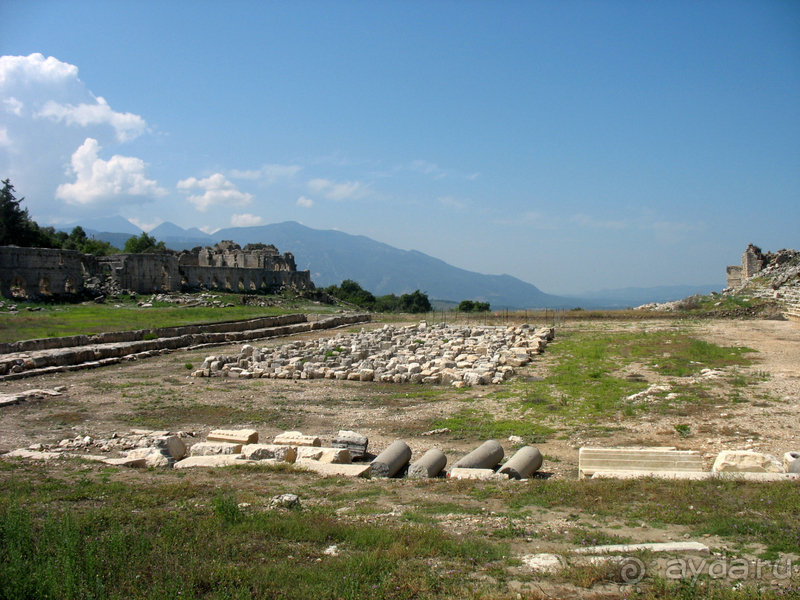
333,256
115,224
177,238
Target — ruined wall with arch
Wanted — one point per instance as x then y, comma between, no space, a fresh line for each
42,271
38,271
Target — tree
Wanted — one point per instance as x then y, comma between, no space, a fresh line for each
143,244
415,302
16,226
466,306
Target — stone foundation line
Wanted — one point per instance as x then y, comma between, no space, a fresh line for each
86,354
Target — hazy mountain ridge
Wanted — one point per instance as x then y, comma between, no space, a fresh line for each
333,256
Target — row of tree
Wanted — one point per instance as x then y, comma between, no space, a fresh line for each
352,292
18,229
416,302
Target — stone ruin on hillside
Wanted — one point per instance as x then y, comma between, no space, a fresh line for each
28,272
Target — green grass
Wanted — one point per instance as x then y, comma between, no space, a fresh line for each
89,531
585,379
90,318
123,549
475,424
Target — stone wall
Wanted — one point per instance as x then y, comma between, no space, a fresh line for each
734,278
33,271
29,271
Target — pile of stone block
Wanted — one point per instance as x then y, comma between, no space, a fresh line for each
442,354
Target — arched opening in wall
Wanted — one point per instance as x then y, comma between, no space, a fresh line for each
214,282
19,287
200,281
263,283
228,283
69,285
240,286
253,286
44,286
184,282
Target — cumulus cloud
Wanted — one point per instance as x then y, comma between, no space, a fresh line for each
46,88
245,220
98,180
35,69
218,190
305,202
348,190
127,125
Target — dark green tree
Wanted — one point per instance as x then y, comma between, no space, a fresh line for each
142,244
16,226
415,302
466,306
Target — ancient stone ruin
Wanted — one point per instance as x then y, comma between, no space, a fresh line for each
28,272
768,275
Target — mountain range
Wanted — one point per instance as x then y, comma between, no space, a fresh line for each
333,256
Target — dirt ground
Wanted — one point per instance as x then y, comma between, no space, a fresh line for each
157,393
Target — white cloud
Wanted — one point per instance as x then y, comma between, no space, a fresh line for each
98,180
52,90
245,220
589,221
4,139
13,106
144,226
305,202
35,69
451,202
269,173
128,126
218,190
209,229
348,190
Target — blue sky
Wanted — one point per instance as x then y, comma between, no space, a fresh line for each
575,145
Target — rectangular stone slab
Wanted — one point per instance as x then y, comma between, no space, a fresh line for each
333,470
234,436
637,459
654,547
295,438
220,460
464,473
138,463
213,448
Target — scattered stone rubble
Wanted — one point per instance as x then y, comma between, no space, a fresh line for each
442,354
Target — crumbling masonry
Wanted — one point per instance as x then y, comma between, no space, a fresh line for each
226,266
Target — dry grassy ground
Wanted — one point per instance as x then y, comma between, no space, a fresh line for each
754,406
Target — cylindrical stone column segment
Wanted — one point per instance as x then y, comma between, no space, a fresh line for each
389,462
486,456
523,464
430,465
